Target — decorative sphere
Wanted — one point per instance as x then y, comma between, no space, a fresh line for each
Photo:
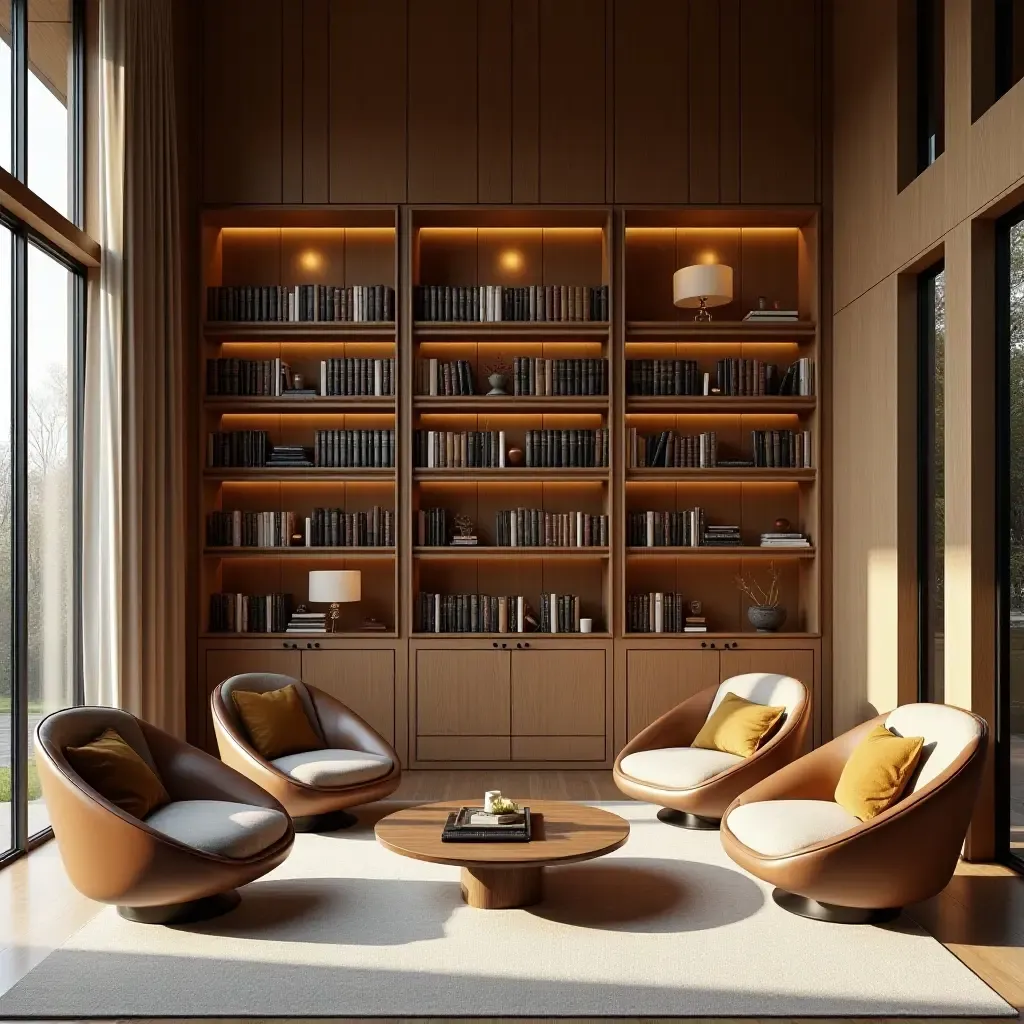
514,456
782,524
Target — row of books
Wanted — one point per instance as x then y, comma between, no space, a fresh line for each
495,303
249,613
660,612
486,613
438,377
245,448
547,377
559,613
651,529
782,448
458,449
535,528
432,527
307,622
745,377
273,378
336,528
357,376
240,529
325,527
345,449
564,449
669,448
306,303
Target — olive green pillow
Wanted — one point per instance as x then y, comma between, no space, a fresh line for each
118,772
877,771
738,726
276,721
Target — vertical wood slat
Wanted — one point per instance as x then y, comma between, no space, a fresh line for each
316,89
369,60
729,101
293,102
525,101
494,101
704,96
651,101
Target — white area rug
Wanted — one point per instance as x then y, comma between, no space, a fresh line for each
665,926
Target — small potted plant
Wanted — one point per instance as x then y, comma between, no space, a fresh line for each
765,613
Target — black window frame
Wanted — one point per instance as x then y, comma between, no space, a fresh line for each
931,81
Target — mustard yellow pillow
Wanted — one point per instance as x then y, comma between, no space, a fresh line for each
276,721
877,772
738,726
115,770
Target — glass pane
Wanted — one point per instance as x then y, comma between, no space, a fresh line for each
1016,539
6,124
49,121
50,368
6,548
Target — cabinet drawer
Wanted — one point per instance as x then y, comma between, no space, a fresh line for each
462,748
462,693
558,748
558,693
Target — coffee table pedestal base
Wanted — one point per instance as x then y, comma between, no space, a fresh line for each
502,888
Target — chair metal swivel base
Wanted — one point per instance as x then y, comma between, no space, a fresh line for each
684,819
333,821
803,906
202,909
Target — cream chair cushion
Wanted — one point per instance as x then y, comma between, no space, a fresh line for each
220,827
947,732
677,767
775,828
332,768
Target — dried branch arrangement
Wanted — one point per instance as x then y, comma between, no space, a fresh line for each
761,598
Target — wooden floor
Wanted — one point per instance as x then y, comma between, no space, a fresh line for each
979,916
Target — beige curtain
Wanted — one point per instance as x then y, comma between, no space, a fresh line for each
134,530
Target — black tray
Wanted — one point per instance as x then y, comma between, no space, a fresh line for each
455,833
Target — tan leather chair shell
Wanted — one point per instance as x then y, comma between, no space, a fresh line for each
338,726
905,854
679,728
113,857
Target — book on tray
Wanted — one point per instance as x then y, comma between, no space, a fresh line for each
474,825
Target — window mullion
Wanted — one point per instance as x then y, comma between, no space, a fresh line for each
19,588
19,90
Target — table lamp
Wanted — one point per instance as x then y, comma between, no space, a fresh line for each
334,587
703,285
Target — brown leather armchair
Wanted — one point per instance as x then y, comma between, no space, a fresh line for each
829,865
694,786
185,859
355,766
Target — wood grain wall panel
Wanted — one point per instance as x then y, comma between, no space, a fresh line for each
242,101
316,90
651,101
729,101
292,104
443,102
368,101
525,101
778,101
704,65
572,101
494,101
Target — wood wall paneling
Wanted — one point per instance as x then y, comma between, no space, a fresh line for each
443,102
242,79
293,103
368,44
658,680
525,101
316,91
363,681
729,101
558,693
652,103
494,101
704,123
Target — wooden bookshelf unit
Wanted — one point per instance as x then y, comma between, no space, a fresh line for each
530,699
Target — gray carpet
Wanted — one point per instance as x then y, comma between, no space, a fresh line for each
665,926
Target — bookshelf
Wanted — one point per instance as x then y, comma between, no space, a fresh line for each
489,683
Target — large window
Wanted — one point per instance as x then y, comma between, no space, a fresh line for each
931,81
42,329
931,482
1008,32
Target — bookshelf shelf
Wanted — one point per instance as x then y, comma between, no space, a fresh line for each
322,473
708,551
748,634
724,474
721,331
489,551
722,404
300,552
511,404
514,637
512,328
511,474
303,331
375,634
355,403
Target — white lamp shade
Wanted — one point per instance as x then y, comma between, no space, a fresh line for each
711,282
335,586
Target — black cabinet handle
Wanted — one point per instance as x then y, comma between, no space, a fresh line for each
519,647
317,646
712,646
495,643
504,645
703,643
526,645
285,645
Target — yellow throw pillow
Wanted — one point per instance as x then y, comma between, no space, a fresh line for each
115,770
738,726
877,772
276,721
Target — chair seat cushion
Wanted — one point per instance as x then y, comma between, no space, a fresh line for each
775,828
676,767
220,827
333,768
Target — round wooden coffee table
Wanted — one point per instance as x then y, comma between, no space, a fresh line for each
499,876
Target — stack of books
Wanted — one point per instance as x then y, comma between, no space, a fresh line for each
695,624
785,540
290,456
307,622
475,825
768,316
722,536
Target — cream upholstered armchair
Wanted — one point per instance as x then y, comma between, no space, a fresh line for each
353,765
826,863
694,786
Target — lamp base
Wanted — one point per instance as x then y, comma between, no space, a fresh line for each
333,618
703,316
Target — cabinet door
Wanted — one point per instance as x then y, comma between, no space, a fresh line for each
657,680
558,693
798,664
362,680
462,693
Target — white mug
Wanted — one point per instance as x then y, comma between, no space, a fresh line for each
586,625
